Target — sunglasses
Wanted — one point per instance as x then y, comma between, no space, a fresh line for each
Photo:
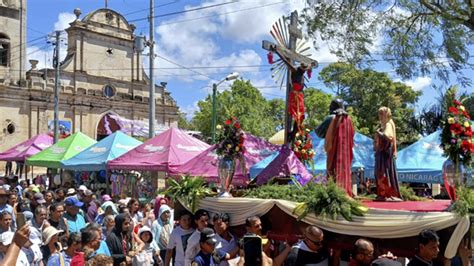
316,243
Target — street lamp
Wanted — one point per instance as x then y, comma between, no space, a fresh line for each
231,76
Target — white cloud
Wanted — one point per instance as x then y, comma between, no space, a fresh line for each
419,83
44,57
189,110
63,21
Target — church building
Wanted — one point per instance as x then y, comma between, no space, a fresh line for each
103,86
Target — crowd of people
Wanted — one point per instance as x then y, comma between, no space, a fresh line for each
79,227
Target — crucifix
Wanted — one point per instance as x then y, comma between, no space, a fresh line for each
290,48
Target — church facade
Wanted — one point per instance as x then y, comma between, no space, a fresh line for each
102,80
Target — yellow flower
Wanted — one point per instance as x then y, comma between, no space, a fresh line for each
303,151
295,149
297,134
467,124
311,152
229,146
218,127
308,130
461,107
298,142
450,120
237,148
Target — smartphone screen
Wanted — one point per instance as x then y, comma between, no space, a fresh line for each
20,220
253,250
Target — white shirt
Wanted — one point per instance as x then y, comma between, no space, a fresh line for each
226,246
193,248
179,239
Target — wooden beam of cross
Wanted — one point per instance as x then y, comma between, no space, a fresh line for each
287,37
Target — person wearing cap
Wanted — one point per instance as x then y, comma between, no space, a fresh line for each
4,206
37,200
81,192
71,192
75,220
208,255
51,246
201,219
90,208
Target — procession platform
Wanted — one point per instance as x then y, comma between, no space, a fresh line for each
417,206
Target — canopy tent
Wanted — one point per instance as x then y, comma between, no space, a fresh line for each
164,152
284,164
205,164
22,151
63,150
278,138
422,162
96,156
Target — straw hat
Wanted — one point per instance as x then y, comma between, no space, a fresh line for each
48,233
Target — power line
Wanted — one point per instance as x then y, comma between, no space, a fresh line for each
184,11
224,13
174,63
147,9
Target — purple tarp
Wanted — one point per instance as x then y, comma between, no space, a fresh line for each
22,151
285,164
164,152
205,164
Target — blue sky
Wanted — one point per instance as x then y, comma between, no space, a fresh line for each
211,43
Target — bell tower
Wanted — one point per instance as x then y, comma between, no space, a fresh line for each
12,41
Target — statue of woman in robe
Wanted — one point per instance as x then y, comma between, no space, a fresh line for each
385,145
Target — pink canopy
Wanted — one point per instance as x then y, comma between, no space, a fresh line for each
164,152
22,151
284,165
205,164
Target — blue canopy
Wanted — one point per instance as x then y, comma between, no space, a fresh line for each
363,153
422,162
96,156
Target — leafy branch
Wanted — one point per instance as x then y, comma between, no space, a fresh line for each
188,190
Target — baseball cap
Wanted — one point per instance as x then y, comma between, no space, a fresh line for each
208,236
49,232
82,188
39,198
106,197
71,192
72,201
6,238
87,192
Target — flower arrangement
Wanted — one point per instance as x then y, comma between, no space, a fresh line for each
302,146
231,139
456,137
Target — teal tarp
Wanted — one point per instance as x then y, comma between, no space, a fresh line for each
363,155
96,156
422,162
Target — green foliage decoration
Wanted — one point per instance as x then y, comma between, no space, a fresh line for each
188,190
325,201
464,204
408,193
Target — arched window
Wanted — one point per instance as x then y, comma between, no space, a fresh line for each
4,49
109,91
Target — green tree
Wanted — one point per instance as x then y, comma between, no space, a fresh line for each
244,102
184,123
276,109
416,36
365,91
317,106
